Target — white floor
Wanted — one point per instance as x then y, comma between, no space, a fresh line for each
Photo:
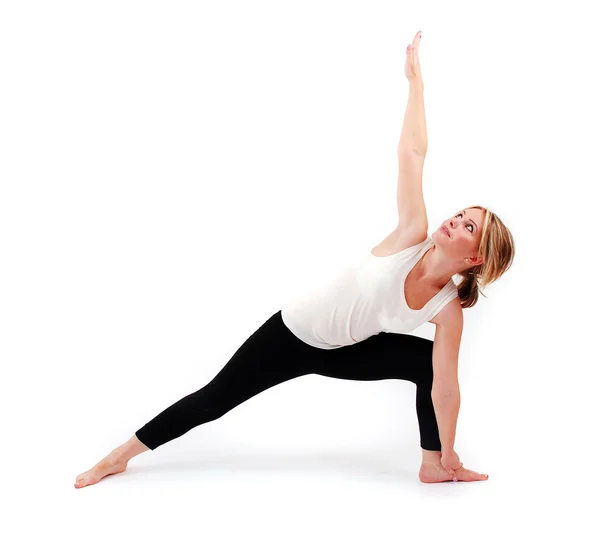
336,502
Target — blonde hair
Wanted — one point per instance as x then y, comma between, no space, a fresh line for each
497,248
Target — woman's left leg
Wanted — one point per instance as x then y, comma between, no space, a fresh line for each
392,356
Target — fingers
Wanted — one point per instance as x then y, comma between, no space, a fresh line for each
417,40
452,473
412,52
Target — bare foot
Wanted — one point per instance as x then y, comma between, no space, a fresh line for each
108,465
435,473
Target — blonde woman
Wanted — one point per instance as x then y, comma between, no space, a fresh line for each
356,327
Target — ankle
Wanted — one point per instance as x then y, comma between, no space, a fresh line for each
128,450
431,457
118,456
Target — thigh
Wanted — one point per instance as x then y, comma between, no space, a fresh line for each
270,356
382,356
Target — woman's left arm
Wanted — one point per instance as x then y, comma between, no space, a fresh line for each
445,392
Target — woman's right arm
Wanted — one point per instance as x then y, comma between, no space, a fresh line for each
413,138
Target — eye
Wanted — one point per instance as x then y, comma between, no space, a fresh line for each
472,227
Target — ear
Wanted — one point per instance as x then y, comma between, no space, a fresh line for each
475,261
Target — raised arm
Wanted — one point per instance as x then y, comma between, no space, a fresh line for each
412,149
414,130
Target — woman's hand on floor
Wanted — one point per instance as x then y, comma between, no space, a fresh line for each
451,462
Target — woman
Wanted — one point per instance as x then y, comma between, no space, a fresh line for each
355,326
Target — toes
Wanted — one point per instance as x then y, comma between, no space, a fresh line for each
80,481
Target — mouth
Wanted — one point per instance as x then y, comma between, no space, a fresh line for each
446,231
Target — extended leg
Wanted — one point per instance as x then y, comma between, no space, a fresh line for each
272,355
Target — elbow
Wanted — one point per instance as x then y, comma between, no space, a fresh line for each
445,390
412,150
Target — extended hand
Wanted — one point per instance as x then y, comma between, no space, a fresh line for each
412,68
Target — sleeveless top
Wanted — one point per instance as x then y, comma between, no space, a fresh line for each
365,299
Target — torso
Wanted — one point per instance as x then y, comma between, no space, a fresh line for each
417,293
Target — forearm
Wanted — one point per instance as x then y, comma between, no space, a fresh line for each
414,129
446,406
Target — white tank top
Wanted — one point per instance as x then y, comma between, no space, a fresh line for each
365,299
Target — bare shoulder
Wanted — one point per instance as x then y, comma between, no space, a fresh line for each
400,239
451,314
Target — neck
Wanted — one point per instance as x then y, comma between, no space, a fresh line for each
434,269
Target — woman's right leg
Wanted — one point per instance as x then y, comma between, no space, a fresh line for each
272,355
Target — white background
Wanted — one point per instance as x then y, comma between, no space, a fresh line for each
172,172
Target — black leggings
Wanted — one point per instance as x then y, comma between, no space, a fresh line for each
273,354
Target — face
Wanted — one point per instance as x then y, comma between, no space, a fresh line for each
465,236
